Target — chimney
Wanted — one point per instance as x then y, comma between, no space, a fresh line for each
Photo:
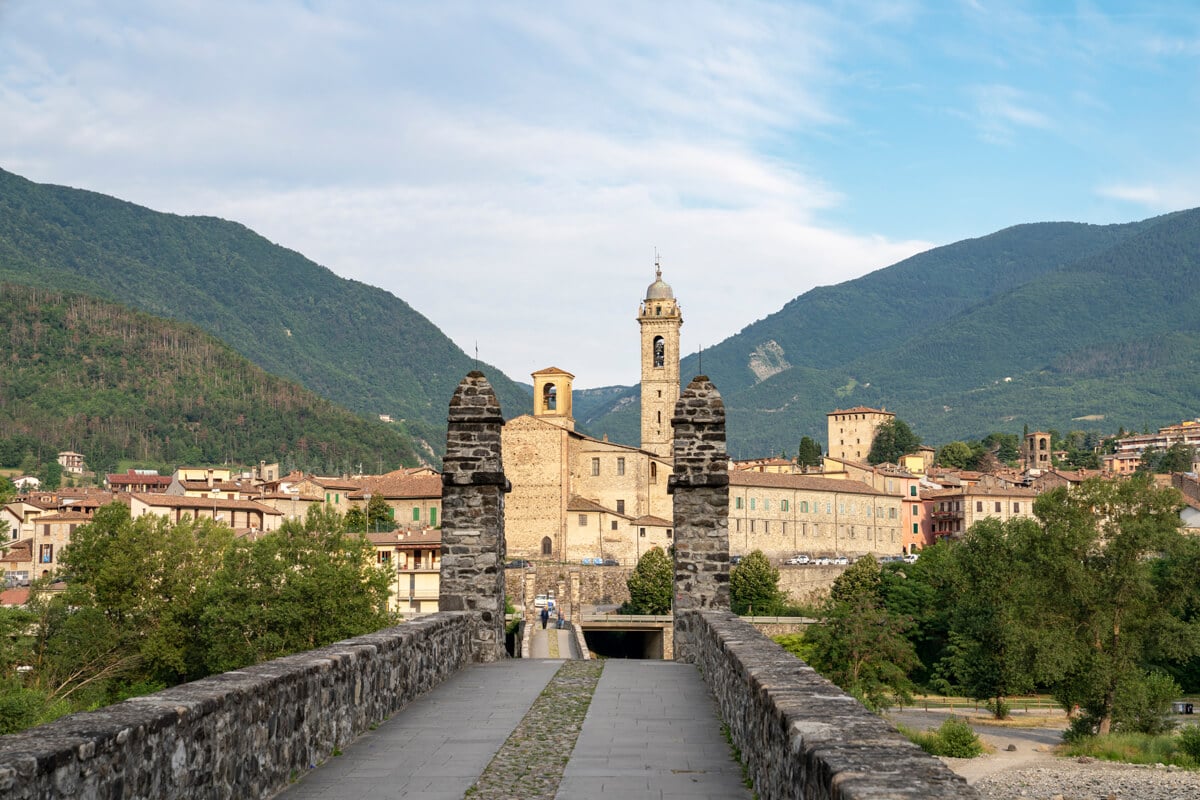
210,477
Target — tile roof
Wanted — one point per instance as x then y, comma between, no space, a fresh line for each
19,551
407,538
400,487
175,501
811,483
649,520
64,516
577,503
12,598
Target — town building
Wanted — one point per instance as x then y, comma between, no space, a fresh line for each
851,431
72,462
137,480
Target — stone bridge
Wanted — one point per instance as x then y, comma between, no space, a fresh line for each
355,719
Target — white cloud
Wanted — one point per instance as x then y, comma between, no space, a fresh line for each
1161,197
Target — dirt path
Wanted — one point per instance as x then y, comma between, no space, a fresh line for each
1032,737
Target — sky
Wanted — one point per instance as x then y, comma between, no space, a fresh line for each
513,170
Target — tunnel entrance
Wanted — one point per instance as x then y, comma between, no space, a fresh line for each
608,643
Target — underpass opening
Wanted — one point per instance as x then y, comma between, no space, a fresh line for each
645,643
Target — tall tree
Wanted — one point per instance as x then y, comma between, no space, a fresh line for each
893,439
651,584
809,453
754,586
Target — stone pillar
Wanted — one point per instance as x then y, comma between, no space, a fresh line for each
473,489
529,595
700,489
576,607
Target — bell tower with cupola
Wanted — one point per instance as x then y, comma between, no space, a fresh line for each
660,318
552,397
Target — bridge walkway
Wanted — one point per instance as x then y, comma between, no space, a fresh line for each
553,643
650,731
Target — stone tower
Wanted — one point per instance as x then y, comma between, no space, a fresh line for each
660,318
552,397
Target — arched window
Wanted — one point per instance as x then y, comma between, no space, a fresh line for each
660,351
550,397
547,546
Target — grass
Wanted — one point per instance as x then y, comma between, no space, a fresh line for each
1137,748
737,756
954,739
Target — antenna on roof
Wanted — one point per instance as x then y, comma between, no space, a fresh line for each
477,355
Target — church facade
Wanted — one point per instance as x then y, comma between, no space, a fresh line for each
578,499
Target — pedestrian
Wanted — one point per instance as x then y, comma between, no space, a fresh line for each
560,619
545,617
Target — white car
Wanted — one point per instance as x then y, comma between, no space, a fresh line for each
911,558
798,559
543,601
822,561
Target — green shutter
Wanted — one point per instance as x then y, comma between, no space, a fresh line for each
433,518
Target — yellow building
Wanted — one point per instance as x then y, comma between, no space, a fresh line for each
579,499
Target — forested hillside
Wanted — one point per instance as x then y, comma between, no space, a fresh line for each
355,344
95,377
1055,325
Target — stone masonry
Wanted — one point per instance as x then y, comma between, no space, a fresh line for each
473,489
700,486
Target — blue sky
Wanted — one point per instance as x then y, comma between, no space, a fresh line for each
509,169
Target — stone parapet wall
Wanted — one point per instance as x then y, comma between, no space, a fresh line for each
242,734
801,736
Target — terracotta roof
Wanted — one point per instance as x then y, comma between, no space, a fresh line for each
577,503
400,487
124,479
938,494
20,551
334,483
304,498
650,520
553,371
406,538
12,598
64,516
811,483
999,491
893,470
176,501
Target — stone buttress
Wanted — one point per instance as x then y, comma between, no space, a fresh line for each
473,489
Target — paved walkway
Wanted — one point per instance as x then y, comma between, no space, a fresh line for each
651,732
552,643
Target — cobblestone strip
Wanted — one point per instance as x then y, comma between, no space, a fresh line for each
553,643
530,764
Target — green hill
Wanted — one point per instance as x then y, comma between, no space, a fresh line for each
1053,324
95,377
355,344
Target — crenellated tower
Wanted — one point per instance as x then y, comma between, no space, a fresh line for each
660,319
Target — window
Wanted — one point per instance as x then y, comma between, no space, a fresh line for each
547,546
384,556
752,526
654,472
621,466
915,530
614,524
1016,508
416,514
997,506
433,518
978,506
753,503
668,533
915,510
766,505
841,508
595,466
391,512
766,526
583,520
549,397
46,529
912,490
737,502
784,524
620,508
892,513
737,525
828,507
659,414
803,506
660,351
46,553
642,532
783,505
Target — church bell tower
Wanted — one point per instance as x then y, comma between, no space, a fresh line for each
660,318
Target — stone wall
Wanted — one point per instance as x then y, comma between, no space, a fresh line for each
242,734
801,736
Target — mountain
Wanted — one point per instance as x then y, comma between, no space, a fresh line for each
355,344
92,376
1059,325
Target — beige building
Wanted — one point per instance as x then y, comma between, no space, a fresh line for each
415,555
851,431
782,515
951,512
578,499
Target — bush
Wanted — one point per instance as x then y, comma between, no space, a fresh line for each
1189,742
954,739
1082,727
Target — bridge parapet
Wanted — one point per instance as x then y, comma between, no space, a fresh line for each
242,734
801,736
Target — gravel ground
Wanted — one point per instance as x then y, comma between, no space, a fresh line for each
1084,779
530,764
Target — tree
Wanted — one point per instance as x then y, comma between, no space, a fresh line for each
955,454
754,586
356,520
893,439
1176,458
50,475
651,584
809,453
859,644
990,654
379,514
1102,617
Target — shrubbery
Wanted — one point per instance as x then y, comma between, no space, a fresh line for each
954,739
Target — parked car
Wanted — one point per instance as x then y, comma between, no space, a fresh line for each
735,560
610,562
822,561
911,558
543,601
841,560
800,558
518,563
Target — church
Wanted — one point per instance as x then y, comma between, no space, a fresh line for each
578,499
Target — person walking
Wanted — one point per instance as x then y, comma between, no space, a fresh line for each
545,617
